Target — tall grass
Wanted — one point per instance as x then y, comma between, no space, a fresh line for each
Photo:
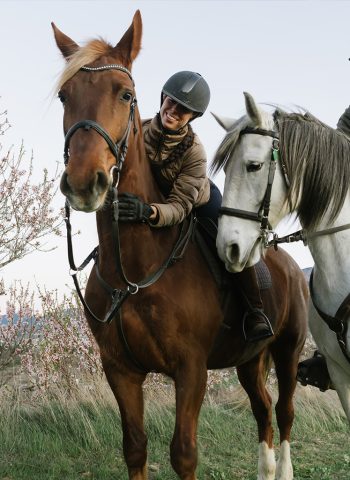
60,437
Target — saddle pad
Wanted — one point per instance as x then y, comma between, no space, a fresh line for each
263,275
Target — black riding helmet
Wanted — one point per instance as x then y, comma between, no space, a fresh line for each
189,89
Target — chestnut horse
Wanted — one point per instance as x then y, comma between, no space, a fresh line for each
172,324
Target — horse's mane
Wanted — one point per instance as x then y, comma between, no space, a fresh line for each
85,55
317,159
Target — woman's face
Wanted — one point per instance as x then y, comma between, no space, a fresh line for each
173,115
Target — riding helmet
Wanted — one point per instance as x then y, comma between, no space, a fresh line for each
189,89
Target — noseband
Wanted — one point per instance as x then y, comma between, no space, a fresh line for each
262,215
119,148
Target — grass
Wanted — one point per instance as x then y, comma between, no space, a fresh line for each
80,437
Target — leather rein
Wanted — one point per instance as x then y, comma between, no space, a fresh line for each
118,296
338,323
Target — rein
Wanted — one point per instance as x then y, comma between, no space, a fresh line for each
304,237
117,295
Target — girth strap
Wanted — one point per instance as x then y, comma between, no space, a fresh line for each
338,323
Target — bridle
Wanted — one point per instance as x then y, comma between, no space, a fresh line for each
119,148
118,296
262,215
268,236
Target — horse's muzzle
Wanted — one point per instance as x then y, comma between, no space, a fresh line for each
87,195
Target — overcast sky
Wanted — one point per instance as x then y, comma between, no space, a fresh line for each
283,52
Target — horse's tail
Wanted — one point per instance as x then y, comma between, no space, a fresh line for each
267,364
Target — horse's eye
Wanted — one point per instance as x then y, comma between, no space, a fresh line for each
254,167
61,96
127,96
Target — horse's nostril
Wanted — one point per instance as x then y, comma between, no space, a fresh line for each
64,185
101,182
232,252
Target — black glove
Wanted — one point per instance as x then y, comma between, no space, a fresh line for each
132,208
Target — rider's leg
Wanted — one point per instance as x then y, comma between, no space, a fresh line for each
256,325
211,208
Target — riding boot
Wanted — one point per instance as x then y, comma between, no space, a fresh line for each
314,371
256,325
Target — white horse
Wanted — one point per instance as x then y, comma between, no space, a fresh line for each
276,164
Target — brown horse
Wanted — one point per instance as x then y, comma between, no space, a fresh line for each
173,325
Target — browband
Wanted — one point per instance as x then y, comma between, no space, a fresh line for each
259,131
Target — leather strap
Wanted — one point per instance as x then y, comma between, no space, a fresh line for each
259,131
235,212
119,296
338,323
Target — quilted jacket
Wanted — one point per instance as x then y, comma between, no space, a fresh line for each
184,182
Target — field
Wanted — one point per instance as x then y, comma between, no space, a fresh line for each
55,437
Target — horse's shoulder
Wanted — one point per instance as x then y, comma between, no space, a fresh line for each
280,260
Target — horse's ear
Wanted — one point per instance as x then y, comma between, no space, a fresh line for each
252,109
64,43
130,44
224,122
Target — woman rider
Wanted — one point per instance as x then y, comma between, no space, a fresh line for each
179,164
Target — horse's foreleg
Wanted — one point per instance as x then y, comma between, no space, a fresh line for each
252,378
286,363
190,384
127,389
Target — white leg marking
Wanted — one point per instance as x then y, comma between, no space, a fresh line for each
284,465
266,463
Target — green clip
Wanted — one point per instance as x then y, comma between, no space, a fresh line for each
275,153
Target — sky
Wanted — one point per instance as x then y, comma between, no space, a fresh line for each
289,53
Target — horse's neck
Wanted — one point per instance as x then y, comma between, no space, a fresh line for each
142,248
332,264
136,176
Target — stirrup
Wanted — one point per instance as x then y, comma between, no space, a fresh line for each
314,372
268,331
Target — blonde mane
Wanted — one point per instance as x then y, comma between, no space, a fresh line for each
85,55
